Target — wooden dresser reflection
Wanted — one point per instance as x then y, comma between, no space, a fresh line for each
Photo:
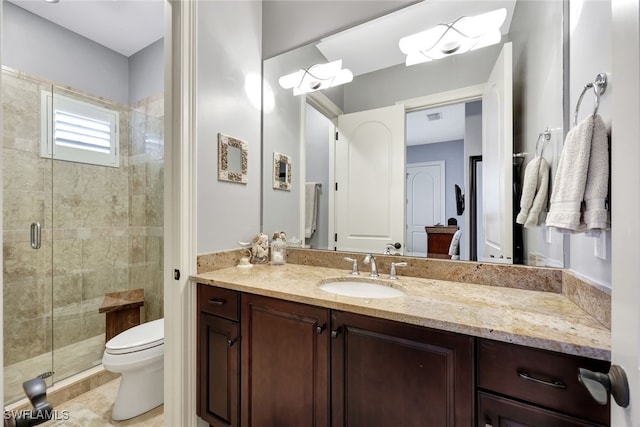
439,240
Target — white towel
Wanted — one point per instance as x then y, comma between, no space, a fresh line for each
311,193
454,246
582,176
596,215
534,192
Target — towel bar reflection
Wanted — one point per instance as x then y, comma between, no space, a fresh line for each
542,138
599,86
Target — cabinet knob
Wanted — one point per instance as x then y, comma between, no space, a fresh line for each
231,342
319,329
600,385
335,333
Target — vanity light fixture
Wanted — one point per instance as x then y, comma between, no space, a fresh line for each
464,34
316,77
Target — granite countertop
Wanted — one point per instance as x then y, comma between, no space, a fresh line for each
537,319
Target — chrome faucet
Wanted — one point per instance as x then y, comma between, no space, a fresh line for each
354,266
393,275
374,268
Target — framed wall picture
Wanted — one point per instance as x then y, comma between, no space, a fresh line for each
232,159
281,172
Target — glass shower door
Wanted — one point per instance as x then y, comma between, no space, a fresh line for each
27,263
90,217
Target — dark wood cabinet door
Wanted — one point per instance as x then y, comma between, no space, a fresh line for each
495,411
285,363
387,373
218,371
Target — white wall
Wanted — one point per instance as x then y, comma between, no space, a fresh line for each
590,54
538,101
229,51
39,47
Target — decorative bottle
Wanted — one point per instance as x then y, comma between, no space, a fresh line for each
278,252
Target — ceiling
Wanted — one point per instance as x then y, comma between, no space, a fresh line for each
125,26
450,126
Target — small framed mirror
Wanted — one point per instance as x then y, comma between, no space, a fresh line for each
281,172
232,159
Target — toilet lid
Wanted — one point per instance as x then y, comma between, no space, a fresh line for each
141,337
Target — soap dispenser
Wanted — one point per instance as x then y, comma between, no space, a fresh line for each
278,252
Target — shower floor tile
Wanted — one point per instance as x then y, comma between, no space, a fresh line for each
68,361
93,408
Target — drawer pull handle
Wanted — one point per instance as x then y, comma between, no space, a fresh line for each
217,301
553,383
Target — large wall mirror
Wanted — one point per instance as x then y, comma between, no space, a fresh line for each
399,150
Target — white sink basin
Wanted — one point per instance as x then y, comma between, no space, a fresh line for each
353,288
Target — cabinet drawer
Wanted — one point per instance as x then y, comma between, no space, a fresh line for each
543,377
219,302
496,411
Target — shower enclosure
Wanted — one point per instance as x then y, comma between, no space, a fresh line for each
74,230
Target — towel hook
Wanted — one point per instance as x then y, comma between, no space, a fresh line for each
542,137
599,87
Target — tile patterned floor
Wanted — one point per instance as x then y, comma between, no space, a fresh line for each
93,409
69,360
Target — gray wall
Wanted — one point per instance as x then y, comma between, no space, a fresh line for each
39,47
591,33
288,24
452,152
472,147
317,141
229,51
142,82
538,103
282,133
386,87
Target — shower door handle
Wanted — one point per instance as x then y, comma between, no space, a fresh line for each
36,235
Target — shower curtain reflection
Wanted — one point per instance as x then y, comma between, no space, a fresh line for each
102,232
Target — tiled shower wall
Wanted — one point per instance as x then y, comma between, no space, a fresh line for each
107,224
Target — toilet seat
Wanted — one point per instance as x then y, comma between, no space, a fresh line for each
138,338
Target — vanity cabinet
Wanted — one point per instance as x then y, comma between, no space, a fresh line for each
218,356
519,385
268,362
386,373
285,363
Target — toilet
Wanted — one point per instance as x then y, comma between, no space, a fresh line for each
138,354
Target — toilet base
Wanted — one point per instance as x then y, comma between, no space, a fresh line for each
139,392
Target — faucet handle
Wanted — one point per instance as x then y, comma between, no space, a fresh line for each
354,267
392,274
